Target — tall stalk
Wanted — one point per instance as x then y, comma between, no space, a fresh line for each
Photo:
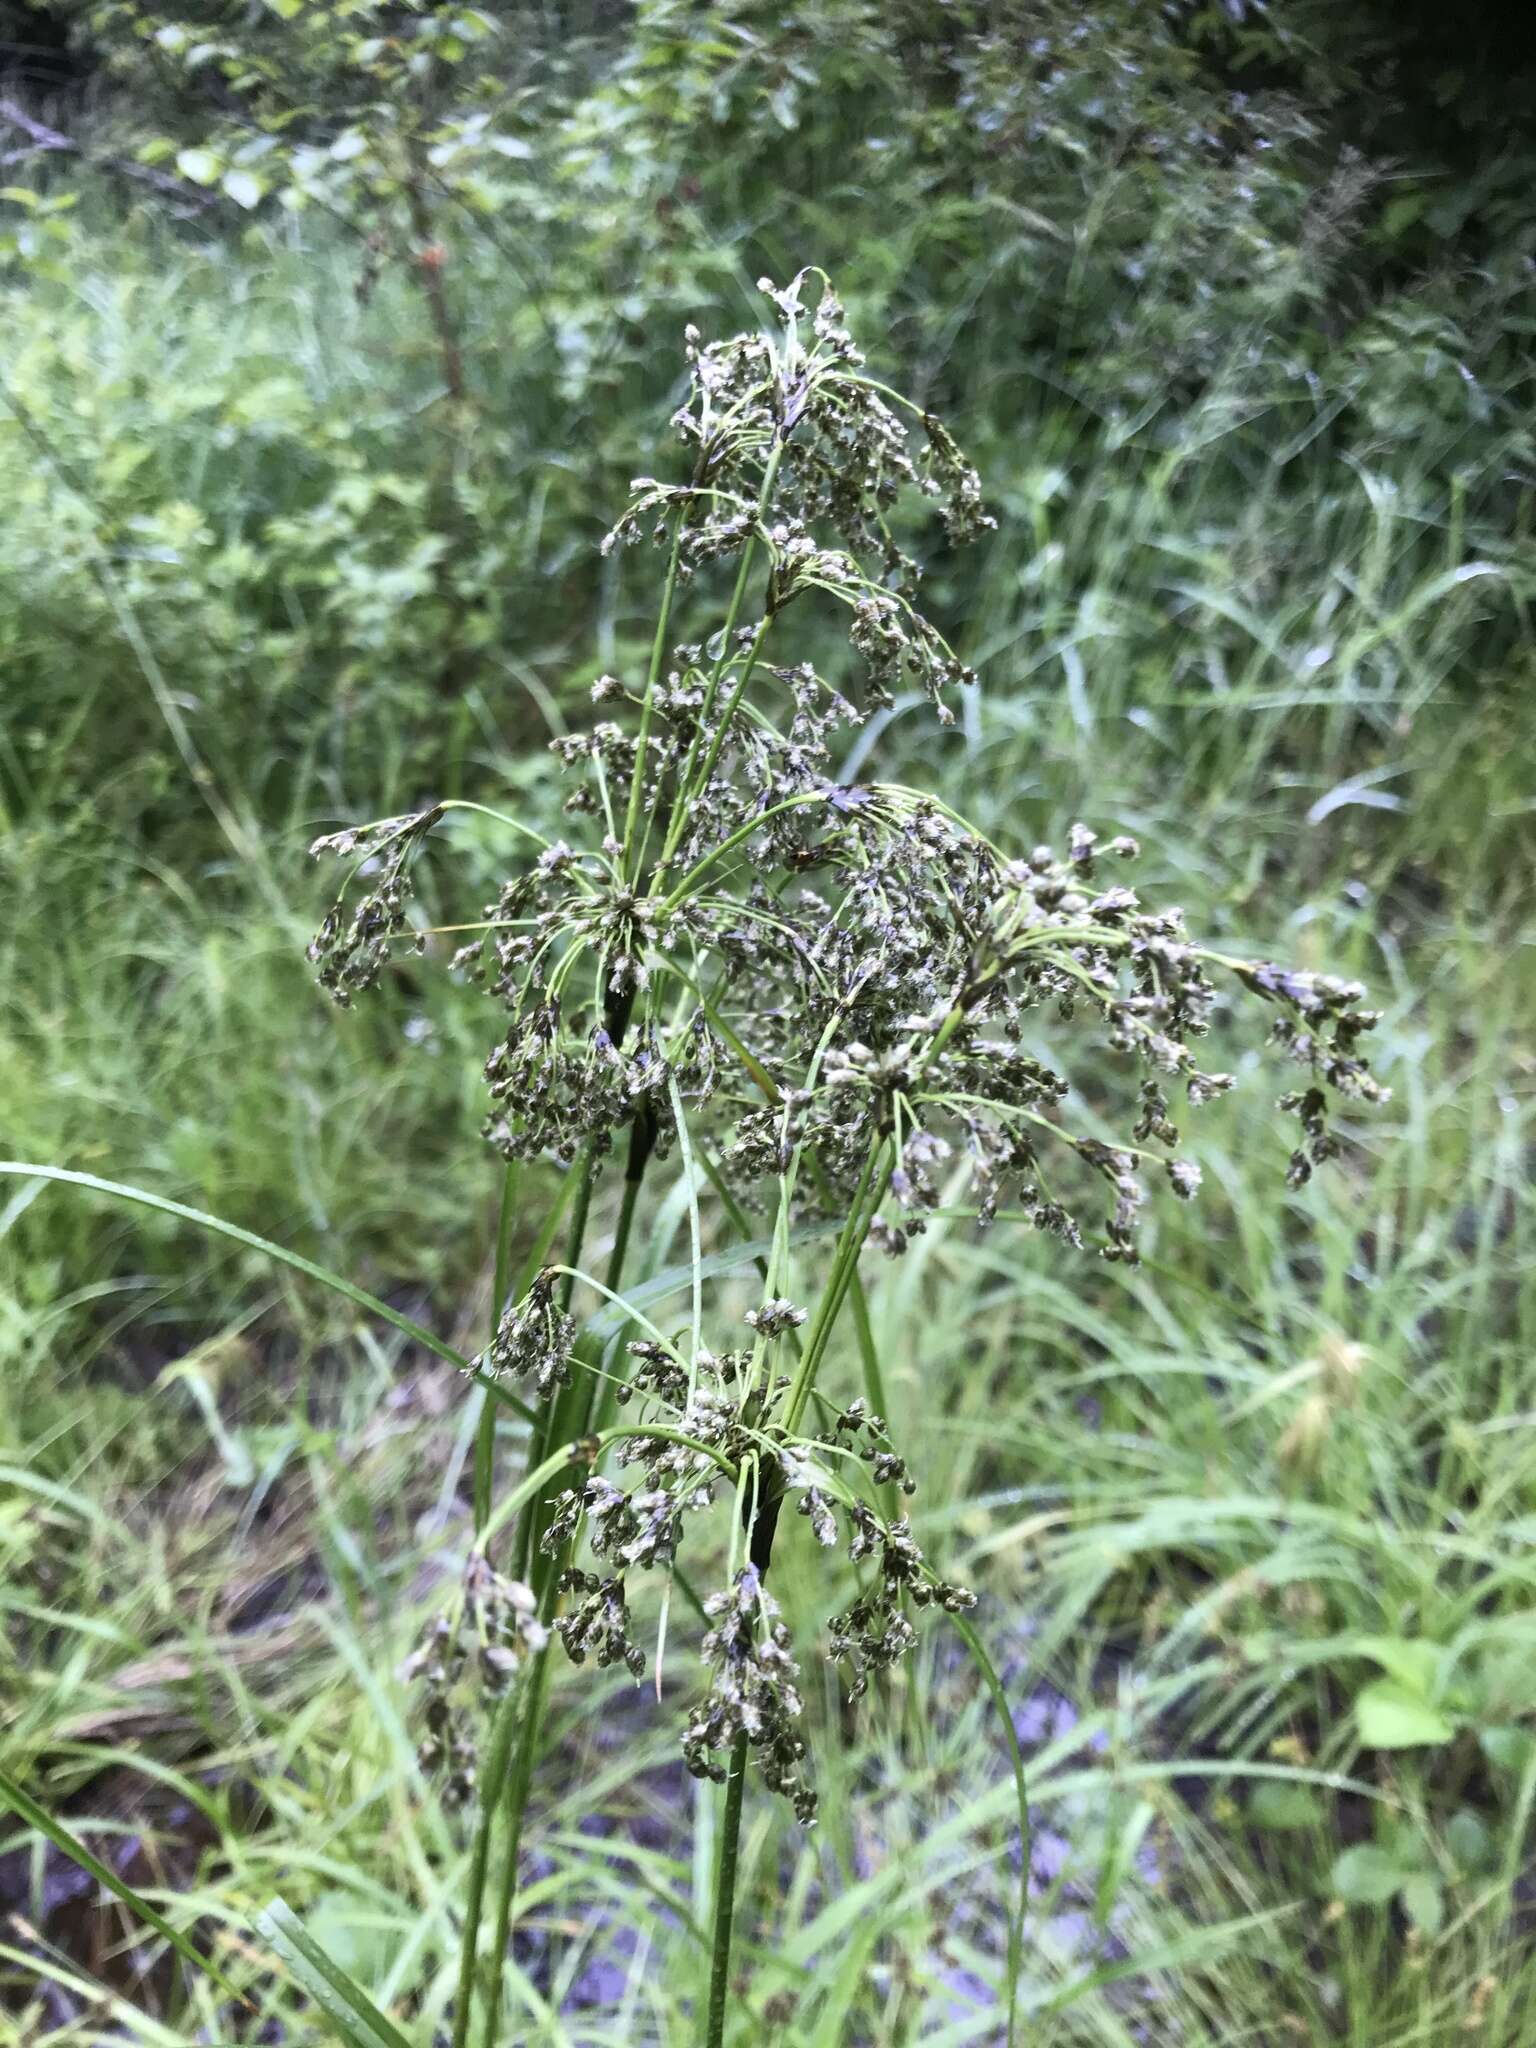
485,1435
634,838
505,1725
546,1579
725,1896
689,784
544,1437
520,1784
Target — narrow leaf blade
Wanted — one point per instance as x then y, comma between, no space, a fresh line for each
354,2018
37,1816
121,1191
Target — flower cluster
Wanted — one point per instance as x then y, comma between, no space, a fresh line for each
535,1336
475,1650
876,1632
752,1692
598,1625
351,948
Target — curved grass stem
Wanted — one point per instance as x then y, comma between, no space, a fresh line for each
358,1296
689,785
845,1257
507,1718
511,1722
544,1436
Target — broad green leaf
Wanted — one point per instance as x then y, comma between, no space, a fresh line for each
1279,1806
1424,1902
1400,214
1508,1749
1389,1716
244,187
202,166
285,9
1367,1876
1468,1840
1414,1664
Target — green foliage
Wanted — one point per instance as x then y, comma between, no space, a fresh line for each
1256,413
1417,1870
379,116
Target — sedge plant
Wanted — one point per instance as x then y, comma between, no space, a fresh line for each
842,1010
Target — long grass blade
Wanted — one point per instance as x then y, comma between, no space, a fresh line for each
69,1844
121,1191
351,2014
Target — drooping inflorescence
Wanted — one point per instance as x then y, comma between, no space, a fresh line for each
472,1652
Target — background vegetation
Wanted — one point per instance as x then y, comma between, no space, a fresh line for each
319,391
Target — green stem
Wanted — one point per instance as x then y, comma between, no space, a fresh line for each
725,1895
579,1217
508,1717
642,1139
544,1431
463,803
743,832
632,848
505,1216
502,1731
874,1382
506,1723
682,801
485,1439
869,1356
844,1266
530,1720
728,714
